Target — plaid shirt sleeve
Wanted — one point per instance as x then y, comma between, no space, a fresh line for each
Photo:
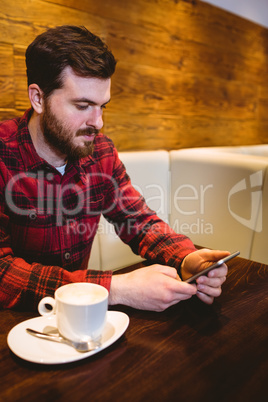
23,284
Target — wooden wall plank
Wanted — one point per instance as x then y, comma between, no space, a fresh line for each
153,132
6,60
7,92
12,32
42,15
21,90
144,90
141,46
6,76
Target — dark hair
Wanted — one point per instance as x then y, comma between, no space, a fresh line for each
57,48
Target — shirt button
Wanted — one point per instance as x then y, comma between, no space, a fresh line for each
33,215
67,256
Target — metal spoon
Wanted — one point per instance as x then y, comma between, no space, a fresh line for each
79,346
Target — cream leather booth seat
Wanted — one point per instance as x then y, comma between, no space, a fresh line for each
217,198
258,250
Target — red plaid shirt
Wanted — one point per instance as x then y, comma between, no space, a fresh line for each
48,221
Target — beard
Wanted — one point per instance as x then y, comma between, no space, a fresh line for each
61,138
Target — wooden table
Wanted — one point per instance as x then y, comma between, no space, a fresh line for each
191,352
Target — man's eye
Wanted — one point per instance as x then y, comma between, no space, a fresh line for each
81,107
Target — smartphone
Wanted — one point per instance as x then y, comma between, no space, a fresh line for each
213,266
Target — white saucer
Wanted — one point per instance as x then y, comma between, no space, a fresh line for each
41,351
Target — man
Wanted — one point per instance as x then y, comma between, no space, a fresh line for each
58,171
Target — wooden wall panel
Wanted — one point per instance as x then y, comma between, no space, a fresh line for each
188,74
163,132
149,90
21,91
6,76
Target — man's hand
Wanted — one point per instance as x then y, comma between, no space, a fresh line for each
155,288
158,287
208,286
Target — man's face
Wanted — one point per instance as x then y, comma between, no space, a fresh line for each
72,115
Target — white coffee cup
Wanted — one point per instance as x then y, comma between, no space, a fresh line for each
80,310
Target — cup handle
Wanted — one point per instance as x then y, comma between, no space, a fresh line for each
43,308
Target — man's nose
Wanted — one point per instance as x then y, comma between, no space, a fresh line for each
95,118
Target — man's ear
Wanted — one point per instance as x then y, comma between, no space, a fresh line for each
36,97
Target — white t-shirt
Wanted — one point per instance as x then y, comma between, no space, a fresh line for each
61,169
